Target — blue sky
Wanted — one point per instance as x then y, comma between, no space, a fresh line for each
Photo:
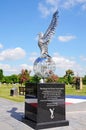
22,20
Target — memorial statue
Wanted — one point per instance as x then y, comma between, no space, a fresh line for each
44,39
44,66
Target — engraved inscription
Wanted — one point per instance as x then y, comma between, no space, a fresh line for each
52,96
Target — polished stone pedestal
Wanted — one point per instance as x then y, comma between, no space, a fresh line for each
45,105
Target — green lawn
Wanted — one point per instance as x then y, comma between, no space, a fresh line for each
72,90
5,92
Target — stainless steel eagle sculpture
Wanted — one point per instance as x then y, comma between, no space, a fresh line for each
44,39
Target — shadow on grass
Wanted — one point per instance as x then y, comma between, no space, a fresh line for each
15,114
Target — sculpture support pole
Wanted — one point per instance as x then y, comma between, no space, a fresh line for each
42,80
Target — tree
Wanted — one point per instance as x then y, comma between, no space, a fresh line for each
34,79
69,76
24,76
62,80
1,75
14,78
52,78
6,79
84,80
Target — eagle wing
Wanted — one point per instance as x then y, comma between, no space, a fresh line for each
51,29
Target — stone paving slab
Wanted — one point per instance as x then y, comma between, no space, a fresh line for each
11,114
5,126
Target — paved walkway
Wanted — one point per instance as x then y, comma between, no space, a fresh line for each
11,115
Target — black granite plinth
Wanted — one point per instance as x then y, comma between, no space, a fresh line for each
45,105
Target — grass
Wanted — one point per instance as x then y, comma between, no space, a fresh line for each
5,92
72,90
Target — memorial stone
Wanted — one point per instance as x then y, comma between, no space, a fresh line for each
45,102
45,105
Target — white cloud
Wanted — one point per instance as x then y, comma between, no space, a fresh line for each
49,6
44,10
12,54
54,4
47,10
4,66
84,7
33,56
69,3
32,59
83,58
63,64
66,38
25,66
16,68
8,69
1,46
